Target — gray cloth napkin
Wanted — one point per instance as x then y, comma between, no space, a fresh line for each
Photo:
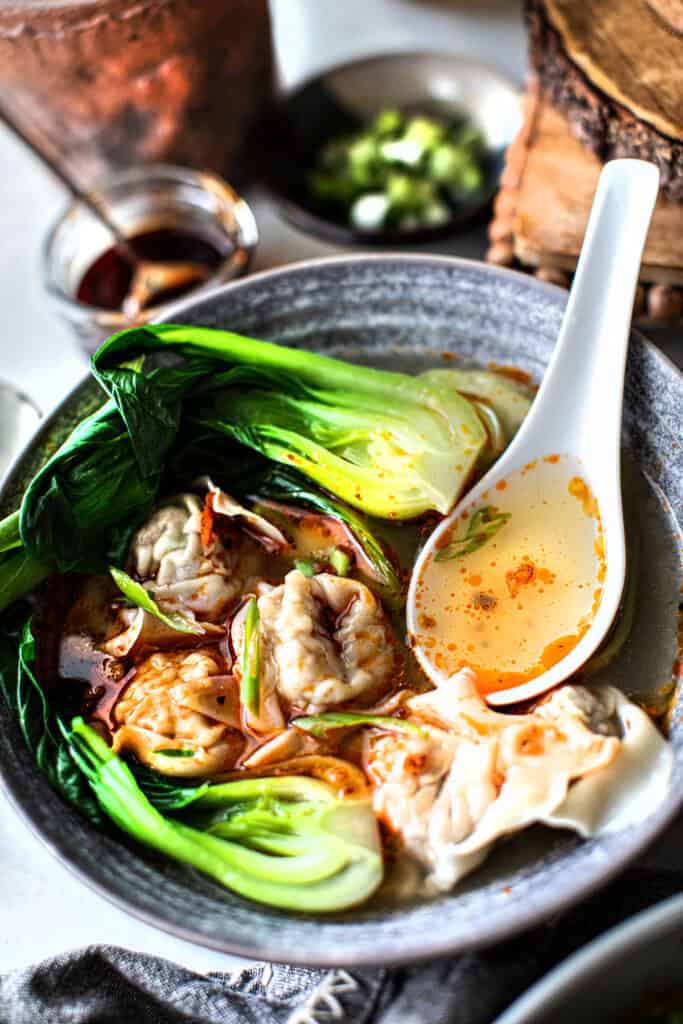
108,985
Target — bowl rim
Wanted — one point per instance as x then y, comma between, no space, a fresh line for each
317,226
600,955
416,949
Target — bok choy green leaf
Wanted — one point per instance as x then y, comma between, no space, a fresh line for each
20,573
37,721
165,792
80,510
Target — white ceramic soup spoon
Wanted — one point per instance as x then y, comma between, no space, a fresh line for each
523,579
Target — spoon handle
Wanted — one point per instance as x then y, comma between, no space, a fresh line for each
590,355
92,200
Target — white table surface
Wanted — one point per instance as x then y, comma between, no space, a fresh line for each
43,908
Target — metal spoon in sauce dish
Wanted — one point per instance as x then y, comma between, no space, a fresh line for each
522,581
150,279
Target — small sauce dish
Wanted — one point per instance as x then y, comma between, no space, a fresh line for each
165,213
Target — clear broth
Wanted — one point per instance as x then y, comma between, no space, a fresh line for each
518,603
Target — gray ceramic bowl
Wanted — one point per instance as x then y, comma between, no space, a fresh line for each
629,968
407,312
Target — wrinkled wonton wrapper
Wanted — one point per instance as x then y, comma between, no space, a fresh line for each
583,759
181,715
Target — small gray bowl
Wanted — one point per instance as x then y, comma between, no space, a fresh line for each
627,970
406,312
344,99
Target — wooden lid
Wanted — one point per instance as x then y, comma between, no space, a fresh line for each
551,208
670,11
630,49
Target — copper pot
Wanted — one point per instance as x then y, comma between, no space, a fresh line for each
97,85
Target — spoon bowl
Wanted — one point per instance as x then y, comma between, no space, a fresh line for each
573,428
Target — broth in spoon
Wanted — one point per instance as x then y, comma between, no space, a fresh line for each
513,585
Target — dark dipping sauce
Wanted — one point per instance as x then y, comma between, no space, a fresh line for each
106,282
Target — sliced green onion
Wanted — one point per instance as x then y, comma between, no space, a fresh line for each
483,525
140,597
320,725
251,658
340,561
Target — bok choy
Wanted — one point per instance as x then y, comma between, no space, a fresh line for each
289,842
501,403
391,444
81,509
37,720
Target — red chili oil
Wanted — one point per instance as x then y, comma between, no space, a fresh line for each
106,282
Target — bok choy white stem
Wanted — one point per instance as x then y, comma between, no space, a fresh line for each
288,842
